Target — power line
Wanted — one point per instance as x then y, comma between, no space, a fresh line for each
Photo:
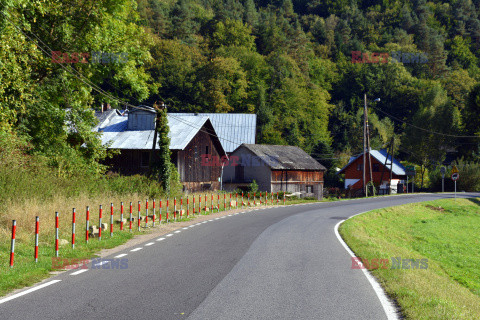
423,129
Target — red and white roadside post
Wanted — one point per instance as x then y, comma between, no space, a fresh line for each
277,198
73,227
166,210
100,224
188,207
242,200
56,234
121,216
87,223
12,247
193,197
230,205
131,215
254,199
181,207
236,200
248,199
138,216
37,228
146,213
160,212
284,199
111,219
199,204
206,203
272,198
175,208
153,216
218,202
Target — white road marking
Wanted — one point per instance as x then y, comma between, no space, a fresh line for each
222,217
178,231
121,255
229,215
186,228
169,235
160,239
198,224
210,220
192,226
136,249
149,244
78,272
28,291
100,263
386,304
205,221
217,218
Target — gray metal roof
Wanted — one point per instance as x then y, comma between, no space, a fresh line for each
182,131
284,157
381,156
232,129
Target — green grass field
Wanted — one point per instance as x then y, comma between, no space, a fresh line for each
447,233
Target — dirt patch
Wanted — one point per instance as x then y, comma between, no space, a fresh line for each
435,208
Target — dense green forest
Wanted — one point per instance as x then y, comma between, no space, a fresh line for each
290,62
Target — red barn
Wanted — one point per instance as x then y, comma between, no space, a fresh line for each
354,171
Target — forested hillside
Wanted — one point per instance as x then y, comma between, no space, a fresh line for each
290,62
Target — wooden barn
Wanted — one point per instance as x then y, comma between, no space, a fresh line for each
275,169
190,138
354,172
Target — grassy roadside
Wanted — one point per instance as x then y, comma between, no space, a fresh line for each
447,233
25,272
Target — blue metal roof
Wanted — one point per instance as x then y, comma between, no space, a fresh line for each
381,156
182,130
232,129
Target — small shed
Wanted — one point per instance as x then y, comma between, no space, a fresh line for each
354,171
275,168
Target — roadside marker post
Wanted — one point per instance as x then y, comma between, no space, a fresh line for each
218,202
12,246
56,233
242,200
111,220
272,198
206,204
73,228
455,176
181,207
193,197
138,217
248,198
146,213
100,224
188,206
87,224
199,204
236,200
224,202
277,198
175,208
37,226
121,216
131,216
160,213
254,199
284,199
153,216
166,210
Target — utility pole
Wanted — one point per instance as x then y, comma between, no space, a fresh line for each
364,143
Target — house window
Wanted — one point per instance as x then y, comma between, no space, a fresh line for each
207,157
375,167
359,167
206,150
145,160
309,189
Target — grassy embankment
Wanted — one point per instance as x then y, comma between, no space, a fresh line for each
447,233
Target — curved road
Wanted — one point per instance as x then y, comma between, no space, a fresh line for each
276,263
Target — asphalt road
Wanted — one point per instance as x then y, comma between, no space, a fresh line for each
278,263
